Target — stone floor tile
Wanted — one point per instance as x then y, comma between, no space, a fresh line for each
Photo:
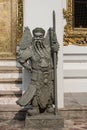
68,123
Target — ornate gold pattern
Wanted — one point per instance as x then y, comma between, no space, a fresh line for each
20,20
11,26
76,36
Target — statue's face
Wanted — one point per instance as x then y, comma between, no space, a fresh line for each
38,36
38,40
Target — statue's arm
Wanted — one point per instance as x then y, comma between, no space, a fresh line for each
26,66
23,57
54,45
54,42
24,49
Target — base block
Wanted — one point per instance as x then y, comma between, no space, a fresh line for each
44,121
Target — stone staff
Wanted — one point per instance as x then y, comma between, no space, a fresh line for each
55,64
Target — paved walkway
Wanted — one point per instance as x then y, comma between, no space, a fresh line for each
70,124
73,103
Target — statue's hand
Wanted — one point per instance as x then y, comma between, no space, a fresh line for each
27,66
55,47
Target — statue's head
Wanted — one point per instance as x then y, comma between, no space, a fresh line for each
39,32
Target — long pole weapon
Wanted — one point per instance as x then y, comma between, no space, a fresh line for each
55,65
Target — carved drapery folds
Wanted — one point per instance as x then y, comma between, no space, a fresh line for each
73,35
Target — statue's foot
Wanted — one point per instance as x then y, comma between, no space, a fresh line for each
33,111
50,110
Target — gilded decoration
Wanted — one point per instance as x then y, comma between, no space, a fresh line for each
11,23
20,20
73,35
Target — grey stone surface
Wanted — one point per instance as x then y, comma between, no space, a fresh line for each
75,100
36,54
44,121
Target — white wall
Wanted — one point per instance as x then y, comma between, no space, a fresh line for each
75,66
38,13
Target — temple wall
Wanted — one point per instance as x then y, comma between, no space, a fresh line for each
74,66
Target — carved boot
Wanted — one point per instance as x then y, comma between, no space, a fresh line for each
50,109
33,111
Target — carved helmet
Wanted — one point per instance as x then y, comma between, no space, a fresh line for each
38,30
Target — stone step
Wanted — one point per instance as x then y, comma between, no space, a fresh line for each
10,75
12,111
9,97
10,108
11,87
11,80
9,63
10,69
10,92
8,100
10,72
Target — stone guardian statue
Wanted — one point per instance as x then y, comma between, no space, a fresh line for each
36,54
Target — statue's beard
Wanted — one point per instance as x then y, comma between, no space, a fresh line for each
39,47
39,44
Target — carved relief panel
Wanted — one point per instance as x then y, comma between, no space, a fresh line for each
75,30
11,23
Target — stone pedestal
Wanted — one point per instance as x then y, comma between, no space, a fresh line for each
44,121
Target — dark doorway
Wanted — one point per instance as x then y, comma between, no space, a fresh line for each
80,13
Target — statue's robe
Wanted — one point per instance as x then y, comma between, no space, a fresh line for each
42,77
41,84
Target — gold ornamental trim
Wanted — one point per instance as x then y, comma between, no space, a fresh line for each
11,27
76,36
20,20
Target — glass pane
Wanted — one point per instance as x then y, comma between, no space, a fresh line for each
80,13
